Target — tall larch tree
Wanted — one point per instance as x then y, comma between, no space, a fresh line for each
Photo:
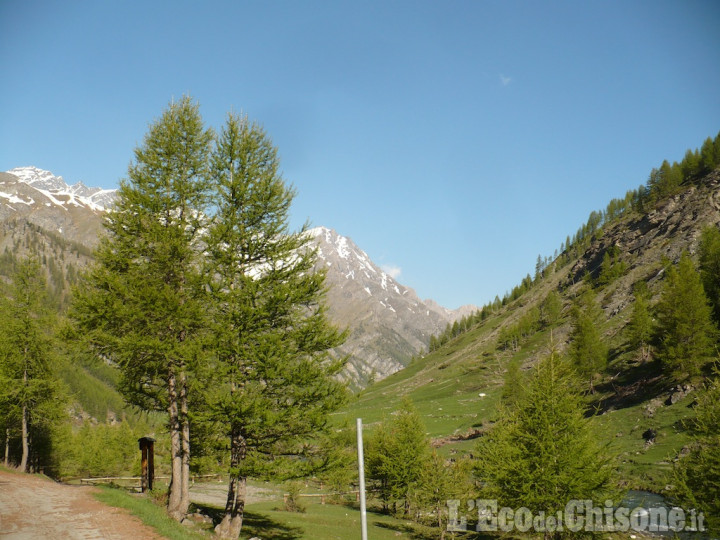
542,452
709,254
587,350
640,327
273,372
397,455
140,305
29,389
686,333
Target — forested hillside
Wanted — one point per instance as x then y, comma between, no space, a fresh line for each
626,311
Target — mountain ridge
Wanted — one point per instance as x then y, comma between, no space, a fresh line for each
389,324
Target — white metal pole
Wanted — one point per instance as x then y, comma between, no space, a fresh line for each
361,476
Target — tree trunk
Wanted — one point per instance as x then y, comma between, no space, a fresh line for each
174,508
229,527
7,446
25,445
185,442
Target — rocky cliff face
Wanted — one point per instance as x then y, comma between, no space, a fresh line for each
387,321
644,241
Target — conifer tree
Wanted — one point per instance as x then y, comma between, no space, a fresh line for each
697,475
708,159
272,377
396,456
543,452
442,480
513,383
710,267
551,309
685,331
640,328
140,305
587,350
29,391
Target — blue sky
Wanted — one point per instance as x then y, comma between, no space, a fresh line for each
452,141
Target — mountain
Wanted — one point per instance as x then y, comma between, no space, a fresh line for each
387,321
45,200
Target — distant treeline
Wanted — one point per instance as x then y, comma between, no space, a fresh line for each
662,183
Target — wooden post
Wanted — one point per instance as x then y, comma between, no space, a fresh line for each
147,447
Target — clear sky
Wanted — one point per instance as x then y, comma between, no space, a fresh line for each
453,141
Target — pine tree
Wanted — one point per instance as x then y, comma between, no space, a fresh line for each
29,391
543,452
587,350
513,384
140,305
396,456
273,375
441,480
685,331
710,267
708,159
697,475
551,309
640,328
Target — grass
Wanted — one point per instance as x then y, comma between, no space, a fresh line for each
150,513
269,520
322,522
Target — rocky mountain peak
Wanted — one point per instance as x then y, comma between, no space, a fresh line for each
60,193
388,322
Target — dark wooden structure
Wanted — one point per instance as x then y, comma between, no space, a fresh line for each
147,447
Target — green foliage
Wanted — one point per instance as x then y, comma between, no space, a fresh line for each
31,398
292,498
612,267
685,331
271,376
588,352
709,158
457,328
709,254
396,456
98,450
696,476
511,337
514,384
340,471
441,480
543,452
551,309
641,327
138,305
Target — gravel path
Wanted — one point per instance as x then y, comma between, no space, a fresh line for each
33,508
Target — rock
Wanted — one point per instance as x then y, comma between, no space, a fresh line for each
678,393
197,517
649,435
652,406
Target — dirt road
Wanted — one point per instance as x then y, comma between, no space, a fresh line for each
34,508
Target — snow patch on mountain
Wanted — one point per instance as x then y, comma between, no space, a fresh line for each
59,193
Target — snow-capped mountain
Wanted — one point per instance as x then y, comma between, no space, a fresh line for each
45,200
388,323
60,193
